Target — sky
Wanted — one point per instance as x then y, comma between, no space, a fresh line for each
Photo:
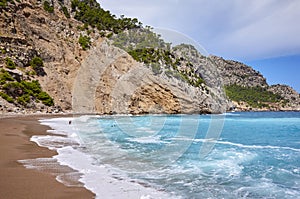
264,34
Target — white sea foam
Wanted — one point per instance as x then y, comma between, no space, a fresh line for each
236,144
231,114
54,142
99,179
147,140
266,189
257,146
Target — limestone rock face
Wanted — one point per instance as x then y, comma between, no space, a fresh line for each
234,72
109,81
288,93
154,98
28,31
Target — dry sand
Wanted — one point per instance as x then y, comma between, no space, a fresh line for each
15,180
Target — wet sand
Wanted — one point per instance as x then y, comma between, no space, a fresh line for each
17,181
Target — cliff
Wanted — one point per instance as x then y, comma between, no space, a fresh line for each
53,62
249,90
234,72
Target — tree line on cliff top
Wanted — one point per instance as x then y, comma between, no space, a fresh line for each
90,12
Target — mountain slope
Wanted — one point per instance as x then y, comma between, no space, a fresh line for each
81,57
249,89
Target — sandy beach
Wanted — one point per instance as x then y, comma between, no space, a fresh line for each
19,182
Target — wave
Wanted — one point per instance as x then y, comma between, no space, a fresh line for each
231,114
257,146
54,142
147,140
65,139
235,144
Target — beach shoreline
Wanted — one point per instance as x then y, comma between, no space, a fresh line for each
22,178
18,181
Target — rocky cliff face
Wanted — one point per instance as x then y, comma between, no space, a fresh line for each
27,30
292,97
105,79
236,73
110,81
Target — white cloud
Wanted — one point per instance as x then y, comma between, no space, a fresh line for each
272,32
233,28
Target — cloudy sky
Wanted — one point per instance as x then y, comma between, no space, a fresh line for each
262,33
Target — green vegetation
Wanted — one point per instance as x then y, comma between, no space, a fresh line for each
158,58
37,63
22,92
141,43
7,97
49,8
5,76
151,55
90,12
10,64
85,42
139,39
3,3
24,99
65,11
148,47
45,98
256,97
198,82
16,89
31,73
3,51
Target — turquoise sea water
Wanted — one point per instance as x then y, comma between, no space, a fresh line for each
235,155
255,155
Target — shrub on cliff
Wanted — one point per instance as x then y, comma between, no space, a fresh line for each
159,58
139,39
45,98
37,64
90,12
49,8
7,97
3,3
10,64
24,91
65,11
85,42
32,88
5,76
198,82
152,55
13,89
24,99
